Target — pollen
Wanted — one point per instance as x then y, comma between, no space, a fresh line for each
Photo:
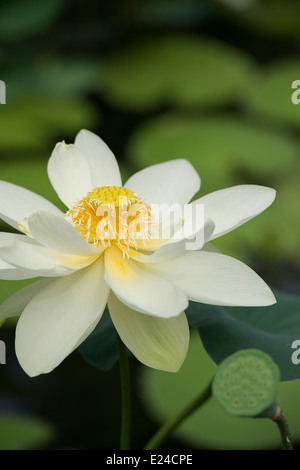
113,215
112,195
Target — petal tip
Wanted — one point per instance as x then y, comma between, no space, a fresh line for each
272,299
83,132
173,368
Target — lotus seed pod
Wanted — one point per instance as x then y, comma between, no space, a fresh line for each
246,384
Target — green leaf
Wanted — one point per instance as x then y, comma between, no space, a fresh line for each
19,19
19,131
24,432
32,123
165,394
270,96
185,71
53,78
61,115
224,150
67,78
101,347
270,329
31,174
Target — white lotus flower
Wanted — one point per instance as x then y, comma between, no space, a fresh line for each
89,262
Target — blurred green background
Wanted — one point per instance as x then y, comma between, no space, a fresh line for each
209,81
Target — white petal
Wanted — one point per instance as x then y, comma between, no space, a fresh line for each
17,203
69,173
140,290
171,182
52,324
214,278
14,305
8,238
54,231
175,248
102,162
229,208
25,253
161,343
11,273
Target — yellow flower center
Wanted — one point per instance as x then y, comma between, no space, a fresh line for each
112,195
112,214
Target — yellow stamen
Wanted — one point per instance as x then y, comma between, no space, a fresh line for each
112,214
112,195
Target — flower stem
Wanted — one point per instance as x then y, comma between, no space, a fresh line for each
125,391
157,440
283,425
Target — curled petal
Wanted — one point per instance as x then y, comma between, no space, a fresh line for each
229,208
160,343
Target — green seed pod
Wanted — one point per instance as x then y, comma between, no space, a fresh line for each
246,384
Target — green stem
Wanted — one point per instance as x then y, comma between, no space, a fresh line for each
157,440
283,425
125,390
